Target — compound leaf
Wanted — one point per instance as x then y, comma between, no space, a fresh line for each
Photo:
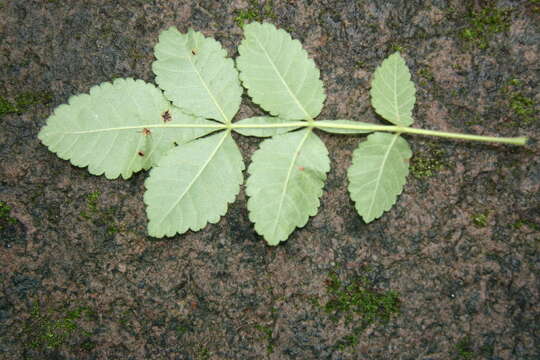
287,175
263,132
392,91
377,174
113,129
196,75
278,73
193,184
327,126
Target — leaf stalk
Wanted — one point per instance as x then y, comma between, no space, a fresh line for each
522,140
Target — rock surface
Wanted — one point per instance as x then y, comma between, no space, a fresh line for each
80,278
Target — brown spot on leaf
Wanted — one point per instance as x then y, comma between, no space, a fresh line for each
166,116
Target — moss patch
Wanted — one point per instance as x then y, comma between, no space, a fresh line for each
358,301
426,74
23,102
520,106
6,107
523,222
92,212
427,163
484,24
5,218
464,350
255,12
266,336
46,330
480,220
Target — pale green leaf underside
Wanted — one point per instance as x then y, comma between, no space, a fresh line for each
104,129
193,185
377,175
278,73
196,75
287,175
263,132
392,91
342,122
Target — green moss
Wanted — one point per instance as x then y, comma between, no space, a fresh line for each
484,24
535,6
267,336
397,47
106,217
255,12
202,353
53,328
91,205
426,74
88,345
427,163
5,218
521,106
6,107
464,349
358,300
181,329
480,220
23,102
520,223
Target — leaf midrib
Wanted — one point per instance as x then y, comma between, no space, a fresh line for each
221,111
287,179
137,127
379,175
197,175
308,117
398,115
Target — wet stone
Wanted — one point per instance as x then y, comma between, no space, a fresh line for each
221,293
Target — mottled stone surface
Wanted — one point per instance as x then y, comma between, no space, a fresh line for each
460,246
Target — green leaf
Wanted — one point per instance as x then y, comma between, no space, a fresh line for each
326,126
105,130
287,175
192,185
392,91
278,74
263,132
196,75
379,168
